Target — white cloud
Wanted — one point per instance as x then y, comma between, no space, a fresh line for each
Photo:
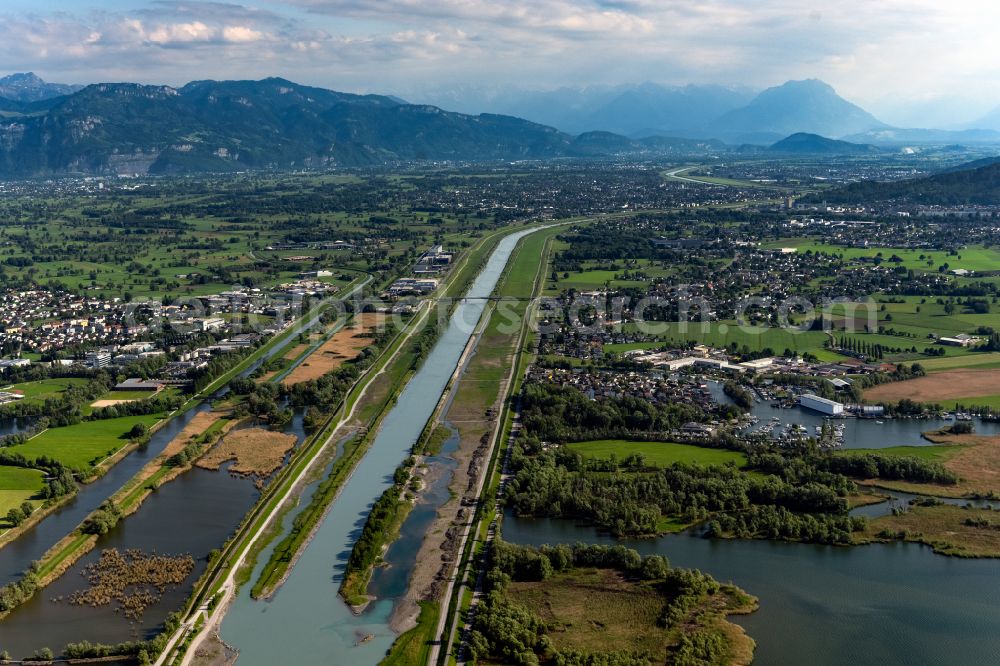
239,34
166,34
873,52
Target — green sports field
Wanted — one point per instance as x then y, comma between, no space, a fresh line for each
46,388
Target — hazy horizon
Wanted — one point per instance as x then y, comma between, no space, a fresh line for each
911,63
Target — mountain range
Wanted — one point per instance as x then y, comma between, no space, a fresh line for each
233,125
635,111
735,115
27,87
278,124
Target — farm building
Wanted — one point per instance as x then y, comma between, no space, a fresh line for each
960,340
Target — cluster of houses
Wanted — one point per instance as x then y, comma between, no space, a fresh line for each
66,320
657,387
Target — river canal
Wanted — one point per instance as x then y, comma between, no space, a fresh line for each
314,624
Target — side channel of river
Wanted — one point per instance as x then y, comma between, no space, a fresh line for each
306,622
16,556
192,514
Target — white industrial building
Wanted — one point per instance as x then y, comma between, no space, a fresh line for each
822,405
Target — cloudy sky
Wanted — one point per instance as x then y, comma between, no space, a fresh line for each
906,60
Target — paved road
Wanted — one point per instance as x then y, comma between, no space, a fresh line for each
674,174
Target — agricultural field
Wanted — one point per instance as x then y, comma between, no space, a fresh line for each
596,275
17,485
188,239
659,454
85,444
973,258
725,333
981,360
963,385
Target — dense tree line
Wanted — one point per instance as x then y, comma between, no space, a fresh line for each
217,366
14,594
563,414
160,404
558,483
368,548
184,457
738,394
875,466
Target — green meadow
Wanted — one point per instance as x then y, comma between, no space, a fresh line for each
85,444
19,484
659,454
972,258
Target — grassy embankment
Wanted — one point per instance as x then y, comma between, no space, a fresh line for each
527,282
308,519
413,646
244,547
478,389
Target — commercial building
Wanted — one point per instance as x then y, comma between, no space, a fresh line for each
209,324
822,405
97,360
13,363
758,364
137,384
413,286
